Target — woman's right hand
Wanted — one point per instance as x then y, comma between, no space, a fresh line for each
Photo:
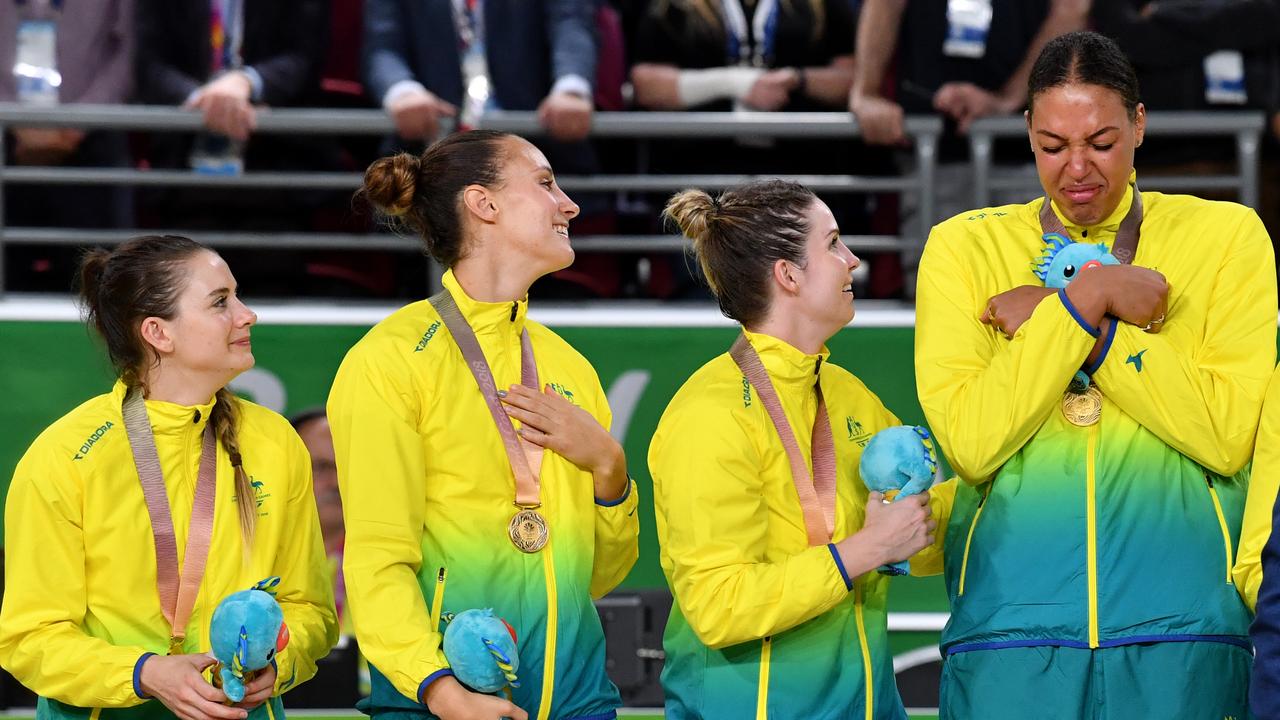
891,532
175,681
449,700
1131,293
1138,296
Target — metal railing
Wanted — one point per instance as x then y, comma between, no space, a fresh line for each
1245,127
812,126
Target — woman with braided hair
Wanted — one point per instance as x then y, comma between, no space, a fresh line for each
167,483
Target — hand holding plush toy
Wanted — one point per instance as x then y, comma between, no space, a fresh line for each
246,632
481,649
899,461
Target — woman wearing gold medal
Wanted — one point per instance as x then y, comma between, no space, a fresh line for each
473,455
766,544
1101,428
129,519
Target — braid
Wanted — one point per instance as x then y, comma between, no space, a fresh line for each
225,418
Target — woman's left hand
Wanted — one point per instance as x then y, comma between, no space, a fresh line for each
1007,311
259,689
548,420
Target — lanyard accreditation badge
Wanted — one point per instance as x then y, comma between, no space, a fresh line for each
1224,78
35,62
817,491
1082,402
968,24
528,529
178,591
477,90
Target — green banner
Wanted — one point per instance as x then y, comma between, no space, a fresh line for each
48,368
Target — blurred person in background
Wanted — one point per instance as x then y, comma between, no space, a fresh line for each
64,52
434,59
963,59
766,56
313,427
225,59
1205,56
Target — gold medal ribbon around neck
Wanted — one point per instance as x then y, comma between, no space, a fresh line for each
528,529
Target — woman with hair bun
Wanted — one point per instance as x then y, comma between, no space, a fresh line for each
130,518
474,459
778,611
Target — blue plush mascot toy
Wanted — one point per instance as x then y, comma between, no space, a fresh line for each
901,459
246,632
1063,259
481,649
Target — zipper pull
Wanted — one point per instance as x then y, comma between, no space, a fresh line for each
1209,480
515,307
436,600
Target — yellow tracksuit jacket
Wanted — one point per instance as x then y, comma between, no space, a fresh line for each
81,607
1123,532
765,626
426,485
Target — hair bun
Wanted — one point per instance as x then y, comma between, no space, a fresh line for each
390,183
691,210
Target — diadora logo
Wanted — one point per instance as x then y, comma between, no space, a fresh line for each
426,337
746,393
92,440
562,391
856,432
1136,360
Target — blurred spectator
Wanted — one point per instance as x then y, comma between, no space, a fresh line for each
224,59
964,59
313,427
766,55
428,59
1192,55
64,52
425,60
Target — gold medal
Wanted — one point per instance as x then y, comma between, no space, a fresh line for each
1083,409
175,645
528,531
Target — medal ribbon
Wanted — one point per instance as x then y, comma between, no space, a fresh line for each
524,457
1124,247
177,593
817,491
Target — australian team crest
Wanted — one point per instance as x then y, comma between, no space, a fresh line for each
1063,259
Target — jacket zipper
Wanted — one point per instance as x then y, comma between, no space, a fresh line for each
1222,524
968,541
865,648
762,684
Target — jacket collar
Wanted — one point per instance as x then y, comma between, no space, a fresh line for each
171,418
487,317
785,363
